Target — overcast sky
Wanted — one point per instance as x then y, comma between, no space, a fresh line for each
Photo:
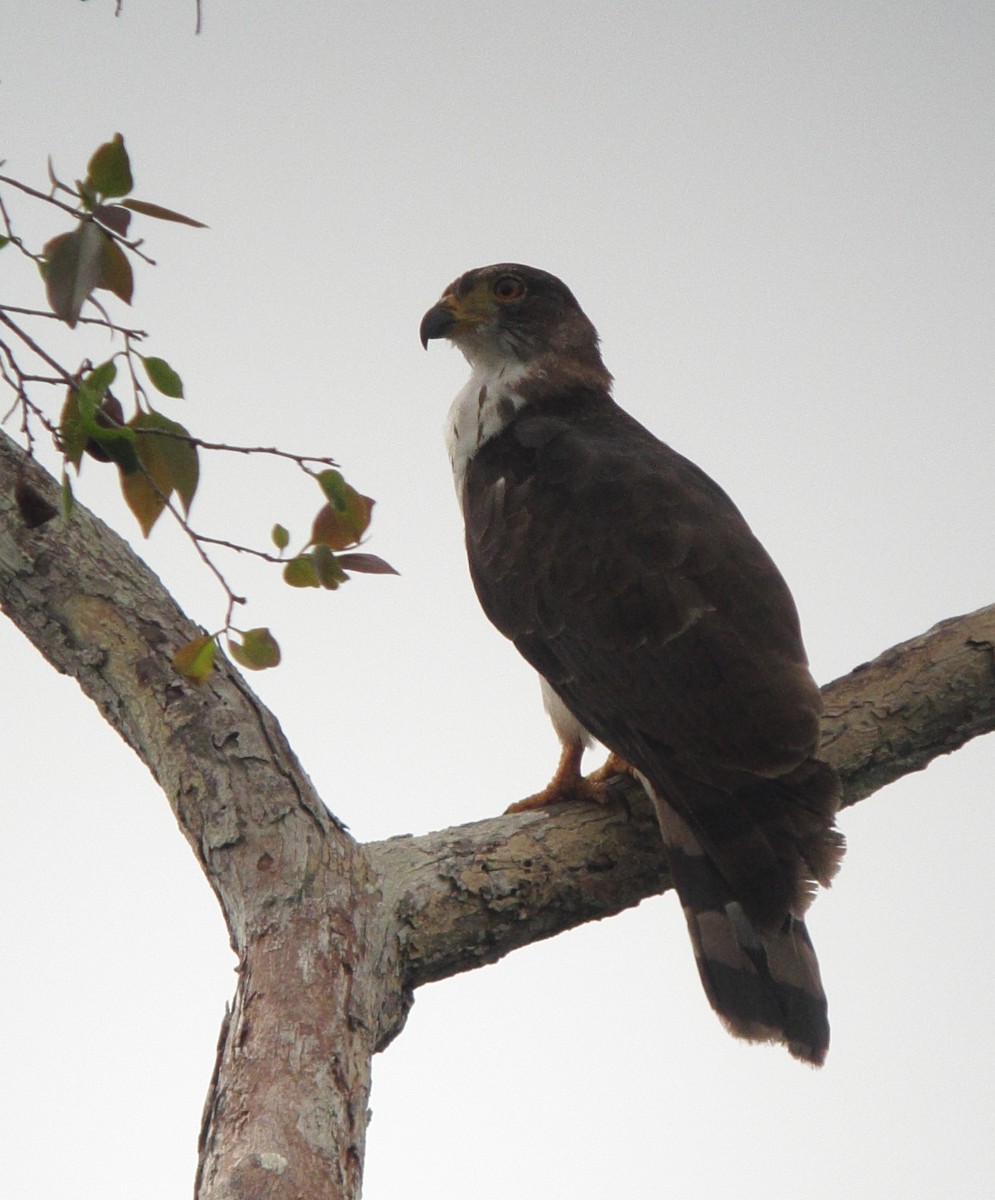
780,217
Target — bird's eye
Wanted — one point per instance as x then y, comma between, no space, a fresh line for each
508,287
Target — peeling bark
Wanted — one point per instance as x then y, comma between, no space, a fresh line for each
332,936
286,1114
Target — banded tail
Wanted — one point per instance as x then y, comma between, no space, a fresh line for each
759,969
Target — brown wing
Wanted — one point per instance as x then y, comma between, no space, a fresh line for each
629,580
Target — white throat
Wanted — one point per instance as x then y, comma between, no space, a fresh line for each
482,408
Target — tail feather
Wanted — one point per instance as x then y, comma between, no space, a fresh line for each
763,983
771,839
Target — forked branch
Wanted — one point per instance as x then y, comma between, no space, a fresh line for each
332,936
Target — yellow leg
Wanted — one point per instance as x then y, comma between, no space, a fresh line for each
612,766
568,783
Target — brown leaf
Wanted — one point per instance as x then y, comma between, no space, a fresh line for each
340,525
148,209
367,564
73,263
113,217
143,497
115,271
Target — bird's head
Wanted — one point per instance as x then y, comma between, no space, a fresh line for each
509,313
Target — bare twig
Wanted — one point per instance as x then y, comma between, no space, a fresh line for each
32,345
44,196
137,334
265,555
300,459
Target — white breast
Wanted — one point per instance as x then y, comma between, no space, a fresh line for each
481,409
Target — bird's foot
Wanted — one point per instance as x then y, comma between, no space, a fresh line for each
610,770
569,784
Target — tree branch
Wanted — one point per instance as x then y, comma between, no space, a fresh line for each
287,1109
469,895
331,936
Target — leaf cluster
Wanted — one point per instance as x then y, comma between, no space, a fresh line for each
108,417
92,257
339,526
155,455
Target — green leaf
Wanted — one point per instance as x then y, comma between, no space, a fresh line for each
354,508
162,376
165,463
164,449
195,660
109,171
300,572
100,378
73,264
333,484
115,273
93,420
79,420
326,567
4,241
280,536
258,650
148,209
110,439
72,433
366,564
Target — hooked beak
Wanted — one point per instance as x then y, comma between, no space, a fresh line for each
438,321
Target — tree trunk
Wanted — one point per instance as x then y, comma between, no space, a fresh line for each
332,937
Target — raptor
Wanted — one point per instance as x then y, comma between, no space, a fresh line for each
659,626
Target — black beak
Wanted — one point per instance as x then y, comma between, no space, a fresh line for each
436,323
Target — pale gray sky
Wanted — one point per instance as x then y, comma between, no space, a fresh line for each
780,217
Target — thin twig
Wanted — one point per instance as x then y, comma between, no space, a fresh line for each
239,549
233,597
81,215
51,316
138,389
299,459
30,191
12,236
33,345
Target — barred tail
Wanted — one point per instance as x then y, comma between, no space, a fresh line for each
764,984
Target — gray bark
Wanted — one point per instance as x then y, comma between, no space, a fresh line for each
332,936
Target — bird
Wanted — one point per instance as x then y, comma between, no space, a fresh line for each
659,626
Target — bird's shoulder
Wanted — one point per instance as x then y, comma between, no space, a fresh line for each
575,467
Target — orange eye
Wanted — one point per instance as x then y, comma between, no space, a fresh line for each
508,287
